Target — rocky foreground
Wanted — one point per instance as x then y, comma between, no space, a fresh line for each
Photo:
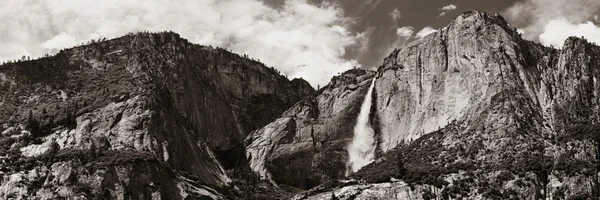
472,111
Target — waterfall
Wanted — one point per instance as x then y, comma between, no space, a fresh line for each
361,150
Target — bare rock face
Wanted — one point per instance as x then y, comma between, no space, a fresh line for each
451,75
391,190
473,111
144,116
34,150
306,146
475,97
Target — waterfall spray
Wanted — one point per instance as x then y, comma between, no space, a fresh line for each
361,151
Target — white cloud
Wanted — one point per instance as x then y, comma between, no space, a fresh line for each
61,41
532,16
449,7
556,31
297,34
396,14
446,9
425,31
405,31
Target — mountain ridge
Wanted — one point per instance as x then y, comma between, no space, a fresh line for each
470,111
151,98
473,111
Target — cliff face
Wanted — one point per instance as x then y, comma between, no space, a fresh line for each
496,104
473,110
306,146
141,116
452,75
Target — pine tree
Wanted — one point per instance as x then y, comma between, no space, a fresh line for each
32,125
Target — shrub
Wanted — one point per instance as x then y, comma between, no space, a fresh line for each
580,131
417,163
504,175
427,195
492,193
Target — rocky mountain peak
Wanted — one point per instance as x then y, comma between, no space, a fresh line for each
572,43
470,111
145,103
482,23
349,77
481,18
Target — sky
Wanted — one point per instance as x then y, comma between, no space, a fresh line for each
312,39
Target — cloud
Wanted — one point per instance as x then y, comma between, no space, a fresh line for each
405,31
425,31
449,7
532,16
396,14
299,38
61,41
446,9
367,7
556,31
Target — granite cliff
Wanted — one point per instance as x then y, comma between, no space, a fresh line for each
306,146
137,117
470,111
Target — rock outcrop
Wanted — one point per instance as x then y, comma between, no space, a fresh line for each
474,111
509,103
352,190
306,146
451,75
137,117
